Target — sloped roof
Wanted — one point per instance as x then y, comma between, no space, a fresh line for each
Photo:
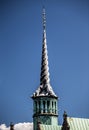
74,123
49,127
78,123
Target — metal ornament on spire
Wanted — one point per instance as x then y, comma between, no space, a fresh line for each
44,19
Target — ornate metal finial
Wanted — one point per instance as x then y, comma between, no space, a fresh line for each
44,19
65,115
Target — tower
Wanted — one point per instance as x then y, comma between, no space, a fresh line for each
11,126
65,125
44,99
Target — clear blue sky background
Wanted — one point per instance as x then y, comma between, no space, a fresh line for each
20,56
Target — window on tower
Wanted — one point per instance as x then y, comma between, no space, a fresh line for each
52,107
48,106
55,107
43,106
39,107
36,106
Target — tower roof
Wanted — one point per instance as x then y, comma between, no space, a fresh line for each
45,88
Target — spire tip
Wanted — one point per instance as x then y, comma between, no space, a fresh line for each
44,18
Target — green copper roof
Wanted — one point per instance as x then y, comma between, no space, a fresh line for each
78,123
49,127
74,123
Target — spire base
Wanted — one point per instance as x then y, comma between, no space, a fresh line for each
44,90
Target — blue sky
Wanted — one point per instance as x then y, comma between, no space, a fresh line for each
20,56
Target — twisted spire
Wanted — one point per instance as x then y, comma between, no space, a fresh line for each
45,88
44,76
